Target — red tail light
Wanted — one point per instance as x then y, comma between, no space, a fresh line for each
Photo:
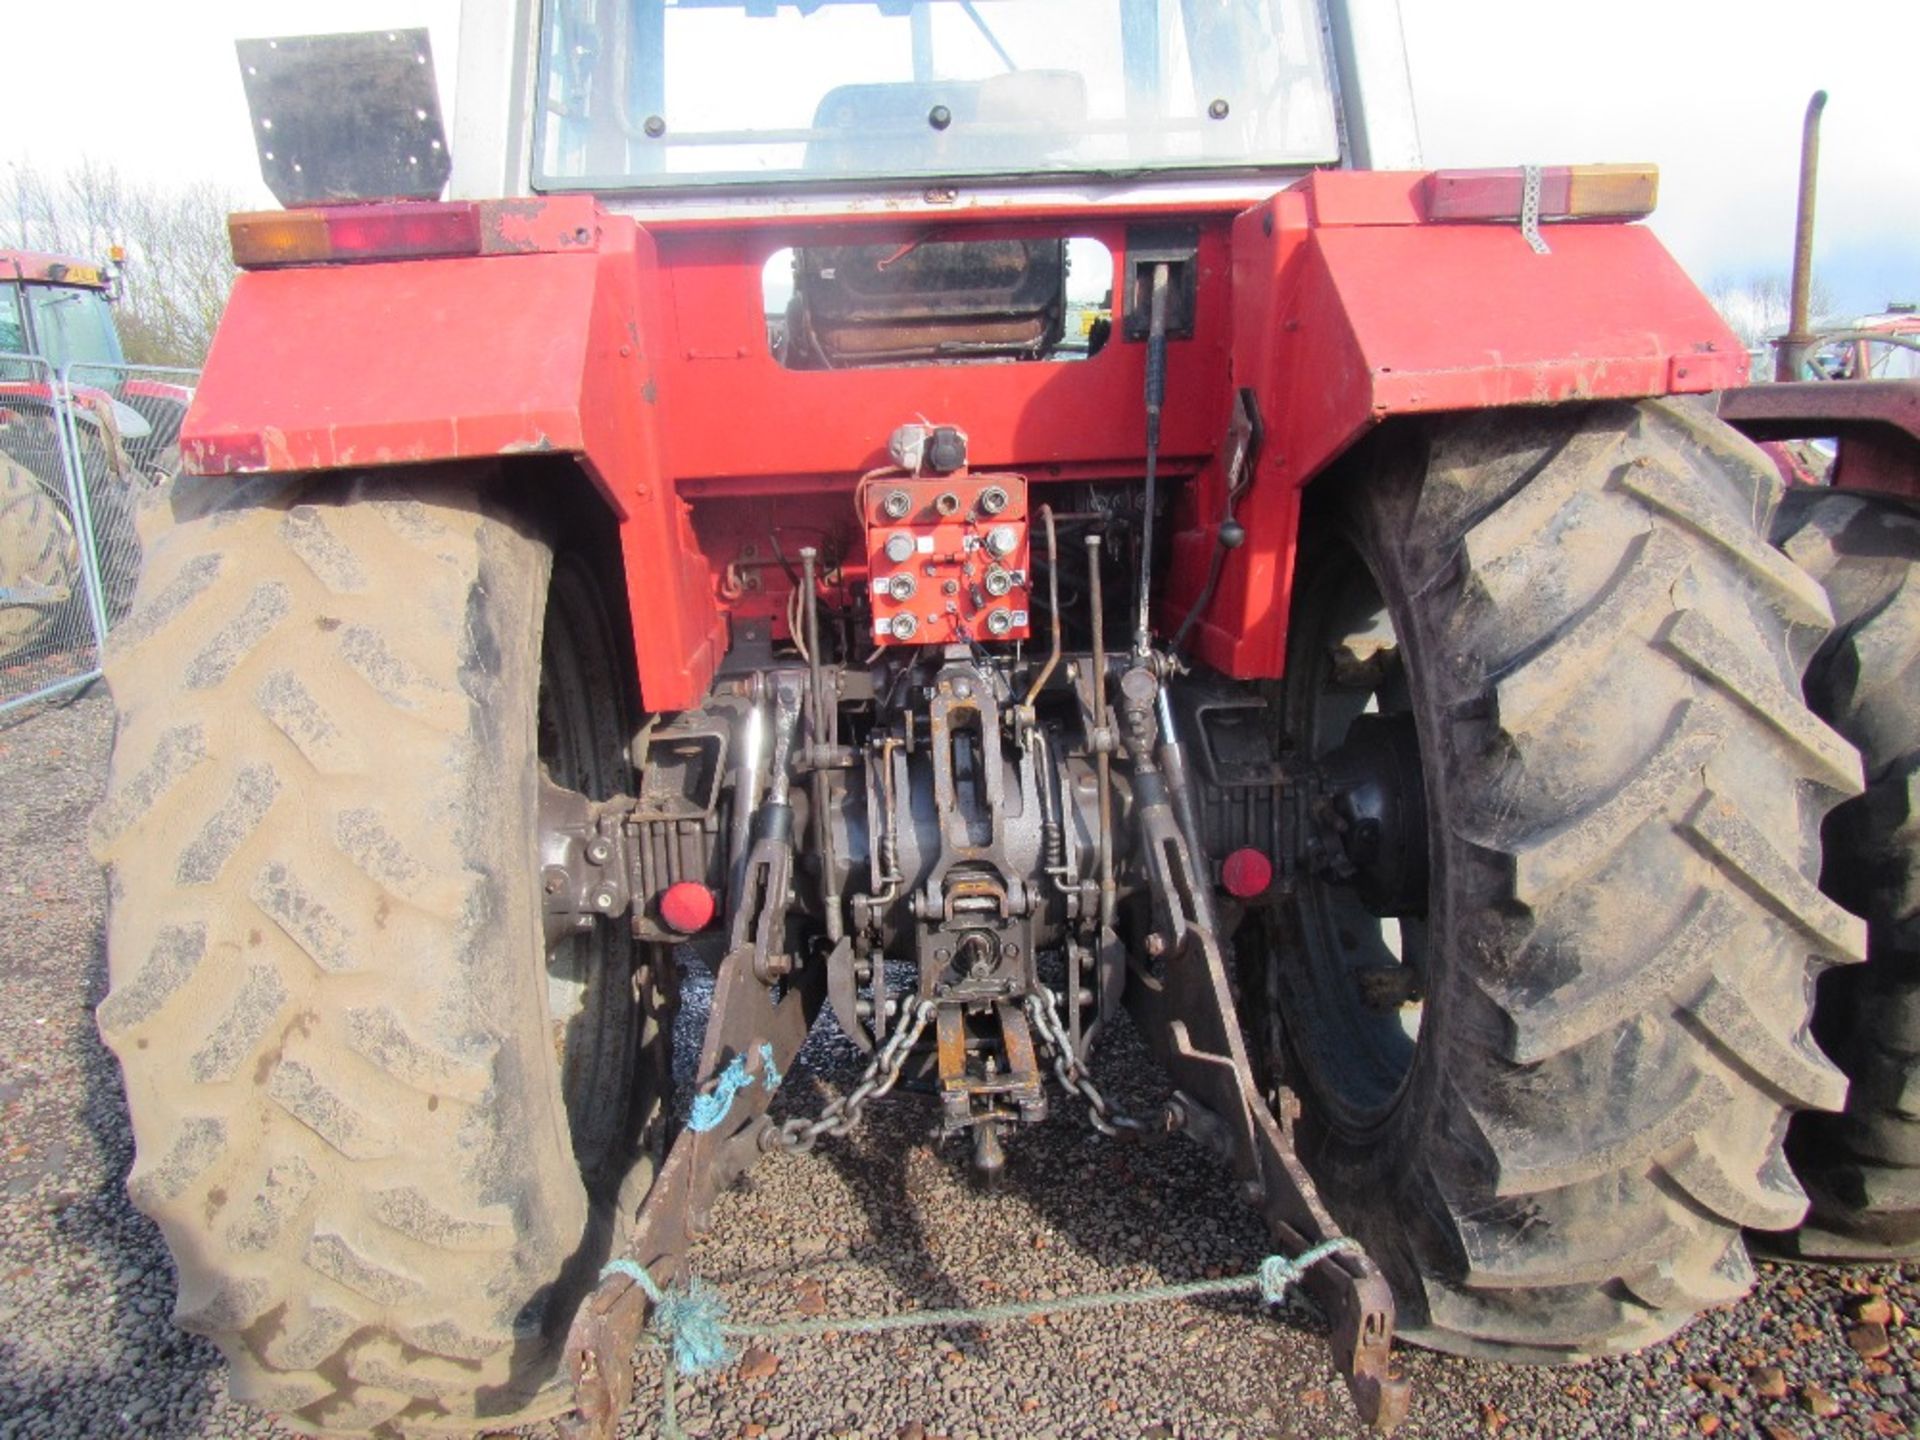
398,231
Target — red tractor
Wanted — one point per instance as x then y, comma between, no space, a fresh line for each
1357,653
58,309
68,403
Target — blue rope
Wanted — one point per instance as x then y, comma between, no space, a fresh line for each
1277,1273
693,1323
711,1108
687,1321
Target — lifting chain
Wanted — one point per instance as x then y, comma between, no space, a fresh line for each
843,1114
883,1072
1044,1012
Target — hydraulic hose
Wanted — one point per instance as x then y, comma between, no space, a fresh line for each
1156,399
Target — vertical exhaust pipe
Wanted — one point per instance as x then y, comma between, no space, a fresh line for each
1790,350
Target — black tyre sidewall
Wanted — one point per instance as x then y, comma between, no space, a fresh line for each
1383,1160
597,1078
1601,653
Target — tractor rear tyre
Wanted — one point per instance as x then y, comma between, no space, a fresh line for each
1862,1168
39,562
114,492
1550,1087
114,488
383,1131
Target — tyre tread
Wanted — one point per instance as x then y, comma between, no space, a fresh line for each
300,786
1629,645
1862,1167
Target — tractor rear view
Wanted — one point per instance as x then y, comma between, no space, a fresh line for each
991,521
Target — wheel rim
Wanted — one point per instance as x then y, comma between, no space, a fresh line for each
582,737
1354,980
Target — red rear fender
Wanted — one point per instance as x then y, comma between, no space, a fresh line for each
407,363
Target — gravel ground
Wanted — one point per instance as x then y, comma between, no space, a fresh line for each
883,1223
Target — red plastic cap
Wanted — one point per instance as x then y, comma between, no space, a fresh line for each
1245,874
686,907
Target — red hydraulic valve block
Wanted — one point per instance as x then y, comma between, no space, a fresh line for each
947,556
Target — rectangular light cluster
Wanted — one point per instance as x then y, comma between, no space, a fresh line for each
1567,192
397,231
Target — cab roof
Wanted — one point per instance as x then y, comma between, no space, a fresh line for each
51,269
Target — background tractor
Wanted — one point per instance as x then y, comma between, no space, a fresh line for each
1372,672
60,310
1874,347
66,403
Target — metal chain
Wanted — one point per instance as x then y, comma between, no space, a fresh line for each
843,1114
883,1072
1045,1015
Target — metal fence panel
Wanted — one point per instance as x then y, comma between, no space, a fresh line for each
81,452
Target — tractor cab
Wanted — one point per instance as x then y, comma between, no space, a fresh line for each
58,309
57,312
670,94
748,99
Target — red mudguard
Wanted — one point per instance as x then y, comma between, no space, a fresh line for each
358,366
1350,310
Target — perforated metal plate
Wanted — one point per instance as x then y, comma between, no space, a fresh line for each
346,117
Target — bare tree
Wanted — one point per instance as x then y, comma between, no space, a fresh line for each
1756,306
178,268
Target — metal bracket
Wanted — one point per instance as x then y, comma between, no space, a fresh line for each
1186,1012
759,931
583,860
746,1013
1530,209
1177,247
968,1099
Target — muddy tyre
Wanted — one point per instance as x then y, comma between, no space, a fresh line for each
1862,1168
381,1131
114,490
1574,620
39,563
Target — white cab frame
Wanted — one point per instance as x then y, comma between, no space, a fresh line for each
498,86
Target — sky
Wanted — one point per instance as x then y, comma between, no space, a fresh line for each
1711,90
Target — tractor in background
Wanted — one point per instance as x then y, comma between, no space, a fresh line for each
68,407
59,310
